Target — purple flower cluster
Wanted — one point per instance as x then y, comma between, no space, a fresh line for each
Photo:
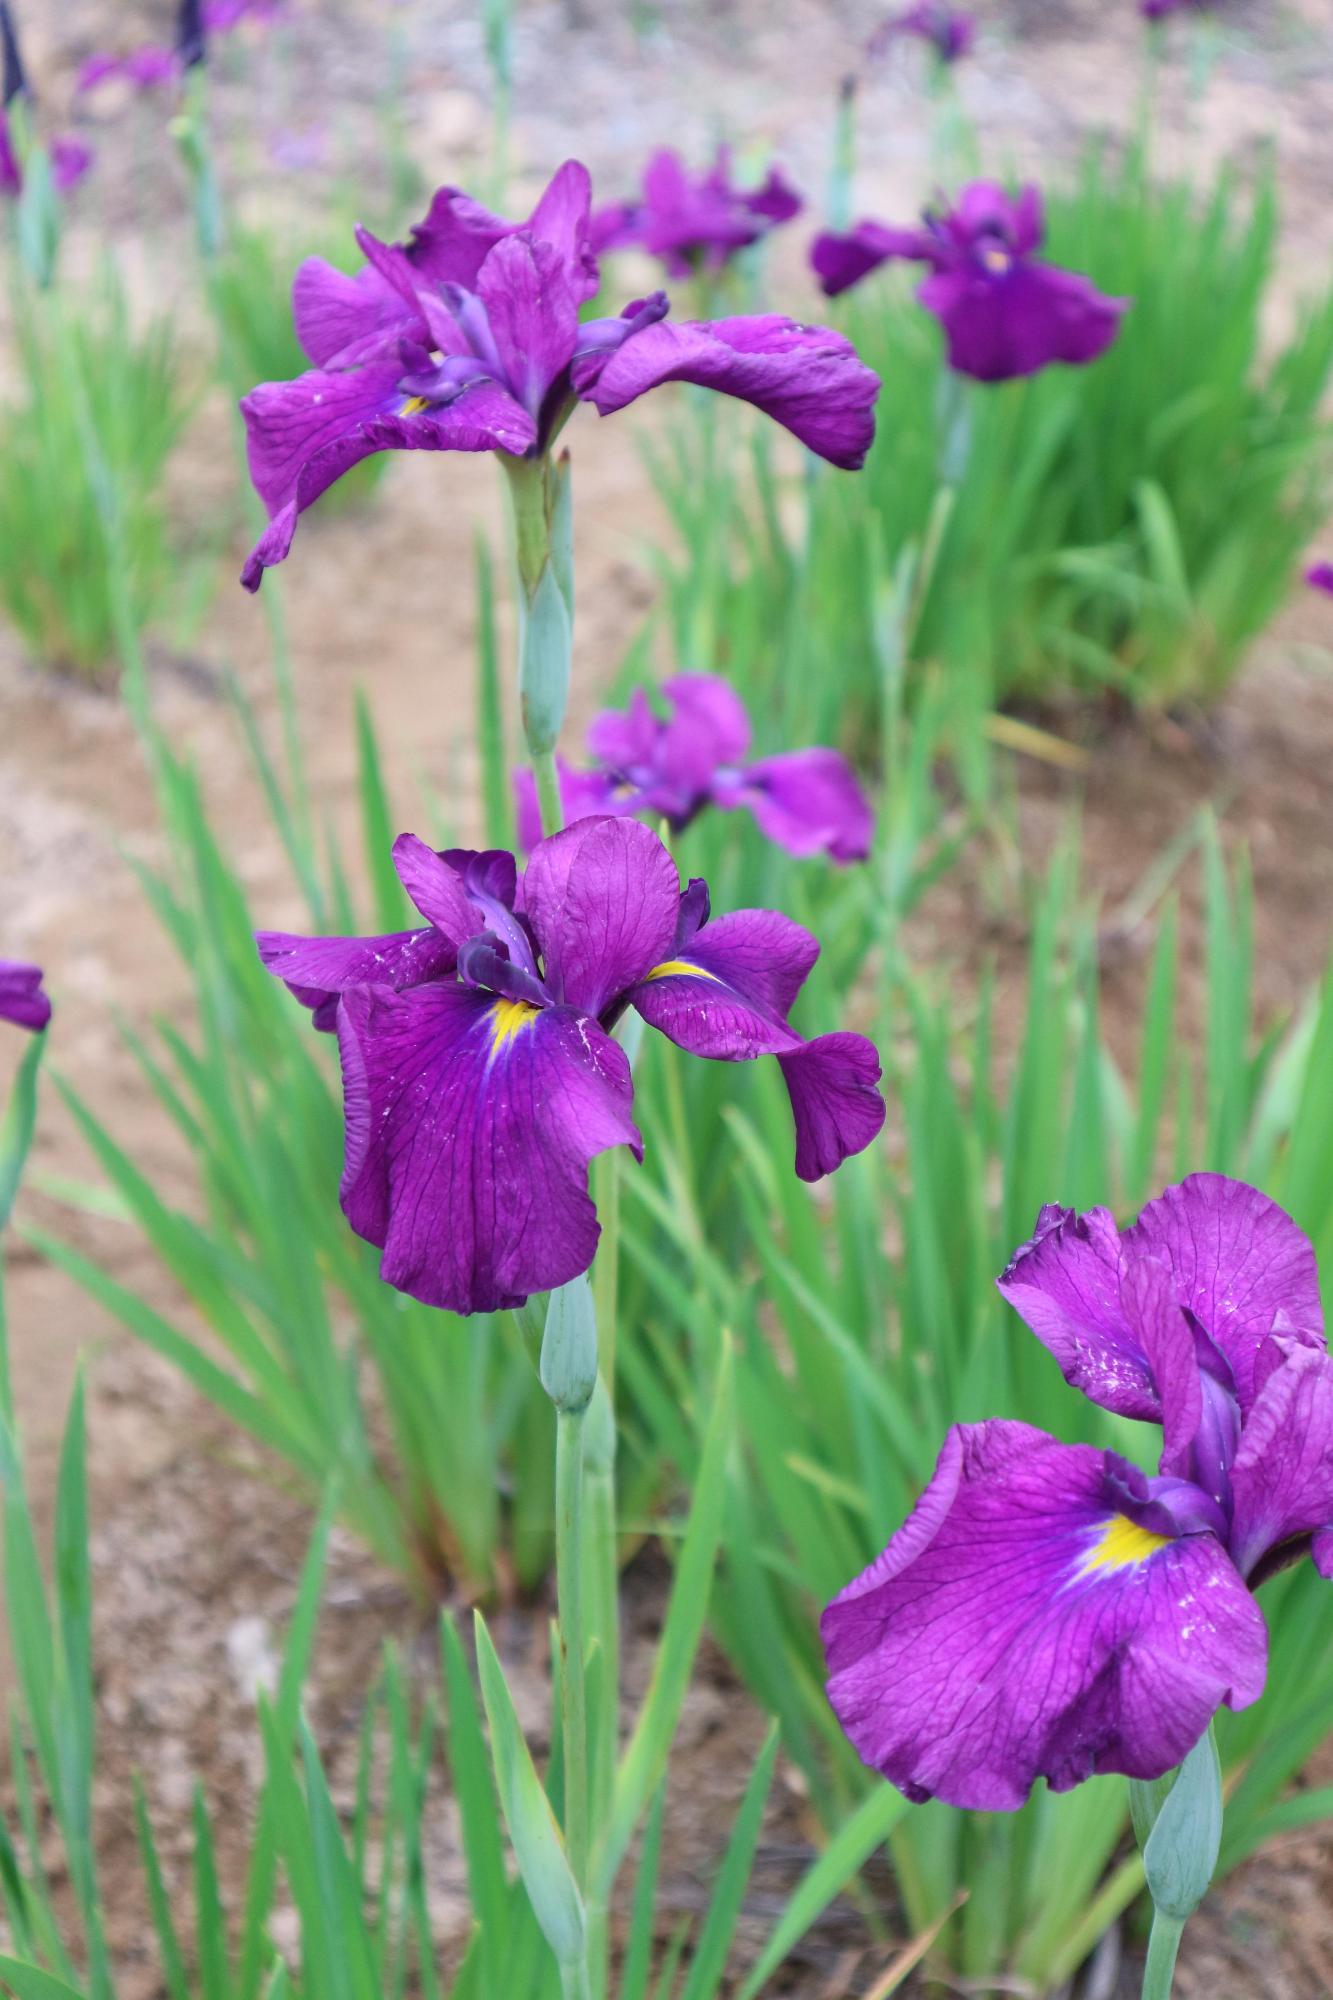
22,1000
468,338
1004,312
694,222
948,31
480,1076
670,768
1049,1610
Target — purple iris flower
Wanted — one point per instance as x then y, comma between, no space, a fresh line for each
153,66
468,338
480,1076
22,1000
1048,1610
694,221
1004,313
949,31
70,161
1157,10
670,768
1320,577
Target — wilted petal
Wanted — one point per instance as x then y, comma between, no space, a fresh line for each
318,970
470,1124
602,897
1002,327
1239,1263
807,801
1066,1284
808,379
1022,1625
22,1000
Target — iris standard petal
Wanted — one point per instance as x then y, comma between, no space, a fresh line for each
1282,1474
1065,1283
317,970
1020,1626
470,1124
533,315
436,887
458,233
341,320
1239,1263
806,801
708,726
1003,326
807,378
602,897
22,999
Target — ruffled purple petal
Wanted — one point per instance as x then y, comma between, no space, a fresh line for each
317,971
626,739
1021,1625
602,897
1239,1264
458,234
304,435
1066,1284
22,999
840,259
833,1083
1282,1476
1000,327
727,993
341,320
471,1121
806,801
808,379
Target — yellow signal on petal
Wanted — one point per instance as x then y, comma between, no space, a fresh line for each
1121,1544
680,968
414,406
508,1019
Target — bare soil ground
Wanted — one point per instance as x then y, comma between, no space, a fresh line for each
199,1546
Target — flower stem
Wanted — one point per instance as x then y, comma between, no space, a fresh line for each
548,790
569,1571
1163,1945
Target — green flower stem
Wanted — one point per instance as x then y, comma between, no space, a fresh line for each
1163,1945
570,1599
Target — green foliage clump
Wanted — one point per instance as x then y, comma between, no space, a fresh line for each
84,534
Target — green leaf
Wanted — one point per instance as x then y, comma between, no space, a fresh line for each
645,1759
533,1833
29,1982
19,1121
